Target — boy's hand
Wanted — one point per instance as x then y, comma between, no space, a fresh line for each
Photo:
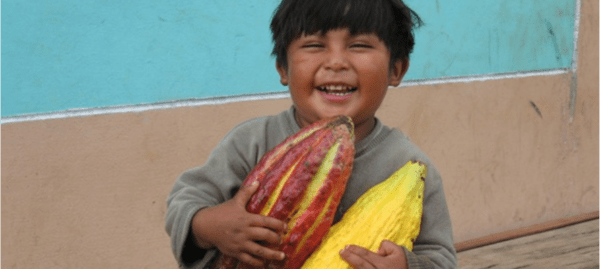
238,233
389,255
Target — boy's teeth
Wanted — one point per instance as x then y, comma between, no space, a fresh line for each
340,93
336,89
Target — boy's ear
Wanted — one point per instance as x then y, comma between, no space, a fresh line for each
283,74
398,71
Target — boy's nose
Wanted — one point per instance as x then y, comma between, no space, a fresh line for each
336,61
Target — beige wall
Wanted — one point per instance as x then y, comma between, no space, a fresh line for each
89,192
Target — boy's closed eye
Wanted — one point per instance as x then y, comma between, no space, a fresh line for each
364,40
352,45
361,45
313,45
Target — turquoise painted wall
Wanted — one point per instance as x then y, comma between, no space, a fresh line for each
59,55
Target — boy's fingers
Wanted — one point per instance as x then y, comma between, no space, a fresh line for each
268,222
264,235
363,252
247,258
359,257
260,251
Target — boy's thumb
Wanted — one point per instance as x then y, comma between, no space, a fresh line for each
246,192
386,248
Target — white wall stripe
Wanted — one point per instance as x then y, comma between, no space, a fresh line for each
485,77
83,112
573,92
576,35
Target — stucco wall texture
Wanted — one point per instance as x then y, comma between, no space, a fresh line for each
89,192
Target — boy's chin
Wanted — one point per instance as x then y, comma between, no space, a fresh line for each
334,114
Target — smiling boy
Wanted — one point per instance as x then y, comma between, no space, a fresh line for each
337,58
338,73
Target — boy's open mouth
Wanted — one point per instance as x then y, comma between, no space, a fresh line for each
339,90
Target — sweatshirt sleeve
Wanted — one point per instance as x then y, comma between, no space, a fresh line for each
434,248
208,185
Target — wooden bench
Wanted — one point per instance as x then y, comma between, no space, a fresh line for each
573,246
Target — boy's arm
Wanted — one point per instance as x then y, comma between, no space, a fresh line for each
226,226
217,181
191,193
202,187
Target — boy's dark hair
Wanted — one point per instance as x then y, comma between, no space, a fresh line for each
391,20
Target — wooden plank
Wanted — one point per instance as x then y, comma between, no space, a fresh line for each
516,233
574,246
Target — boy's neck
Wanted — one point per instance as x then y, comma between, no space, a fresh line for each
363,129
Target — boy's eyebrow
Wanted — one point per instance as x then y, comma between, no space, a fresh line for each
364,34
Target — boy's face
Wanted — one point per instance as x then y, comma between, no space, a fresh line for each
339,74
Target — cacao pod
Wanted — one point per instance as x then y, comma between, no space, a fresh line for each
302,181
391,210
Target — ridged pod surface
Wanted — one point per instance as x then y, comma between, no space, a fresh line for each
391,210
302,181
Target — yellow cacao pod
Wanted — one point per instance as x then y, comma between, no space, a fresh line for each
302,181
391,210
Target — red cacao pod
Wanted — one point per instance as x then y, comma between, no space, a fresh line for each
302,181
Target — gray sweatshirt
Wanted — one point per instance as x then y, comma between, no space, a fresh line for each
378,155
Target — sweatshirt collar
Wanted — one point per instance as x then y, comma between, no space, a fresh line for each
377,134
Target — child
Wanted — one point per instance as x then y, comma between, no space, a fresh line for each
337,57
